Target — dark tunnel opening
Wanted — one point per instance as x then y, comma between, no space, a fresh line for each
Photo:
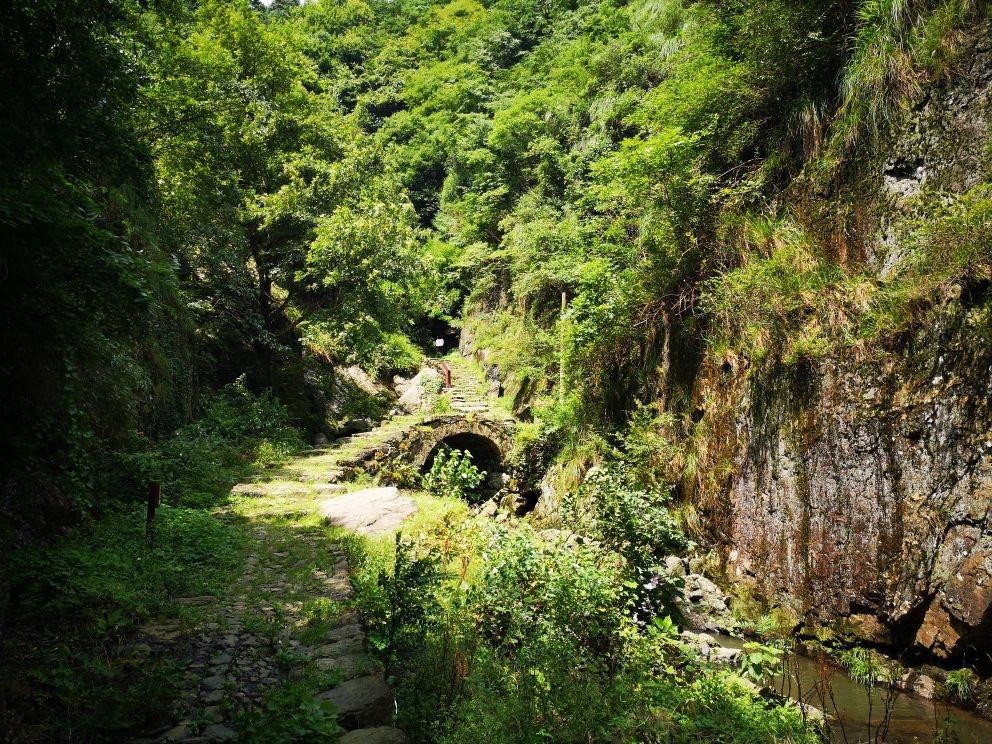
486,456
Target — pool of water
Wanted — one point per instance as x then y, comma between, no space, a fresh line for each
913,718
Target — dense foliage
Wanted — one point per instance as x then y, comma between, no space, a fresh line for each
207,206
501,633
69,653
193,192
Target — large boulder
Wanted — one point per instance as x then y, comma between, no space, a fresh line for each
869,629
520,389
710,649
352,389
361,702
675,567
401,384
419,391
547,504
964,606
703,605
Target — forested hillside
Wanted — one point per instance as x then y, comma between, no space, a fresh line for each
739,250
193,193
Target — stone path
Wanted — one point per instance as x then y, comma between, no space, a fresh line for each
469,394
286,627
285,622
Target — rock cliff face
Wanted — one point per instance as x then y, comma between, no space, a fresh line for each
867,489
862,485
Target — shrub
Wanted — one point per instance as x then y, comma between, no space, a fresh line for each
397,473
530,639
758,662
290,712
540,645
403,602
530,589
632,521
540,623
441,404
636,524
109,574
453,474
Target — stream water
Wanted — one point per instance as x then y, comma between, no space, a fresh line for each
913,718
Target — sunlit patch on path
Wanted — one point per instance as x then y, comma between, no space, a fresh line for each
369,511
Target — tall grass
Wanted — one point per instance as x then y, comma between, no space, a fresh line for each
784,303
897,46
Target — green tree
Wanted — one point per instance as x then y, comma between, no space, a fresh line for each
96,340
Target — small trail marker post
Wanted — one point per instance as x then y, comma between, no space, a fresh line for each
154,499
446,371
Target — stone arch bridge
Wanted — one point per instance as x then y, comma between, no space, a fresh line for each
488,438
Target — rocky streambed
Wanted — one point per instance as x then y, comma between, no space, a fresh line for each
854,714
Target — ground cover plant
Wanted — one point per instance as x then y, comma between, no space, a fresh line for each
75,606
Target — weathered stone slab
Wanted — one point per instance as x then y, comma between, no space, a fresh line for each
343,647
369,511
344,632
377,735
416,392
362,702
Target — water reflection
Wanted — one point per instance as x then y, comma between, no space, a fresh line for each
913,719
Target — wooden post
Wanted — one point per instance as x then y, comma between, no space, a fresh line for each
154,499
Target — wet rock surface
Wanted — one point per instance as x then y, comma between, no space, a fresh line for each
865,494
859,484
